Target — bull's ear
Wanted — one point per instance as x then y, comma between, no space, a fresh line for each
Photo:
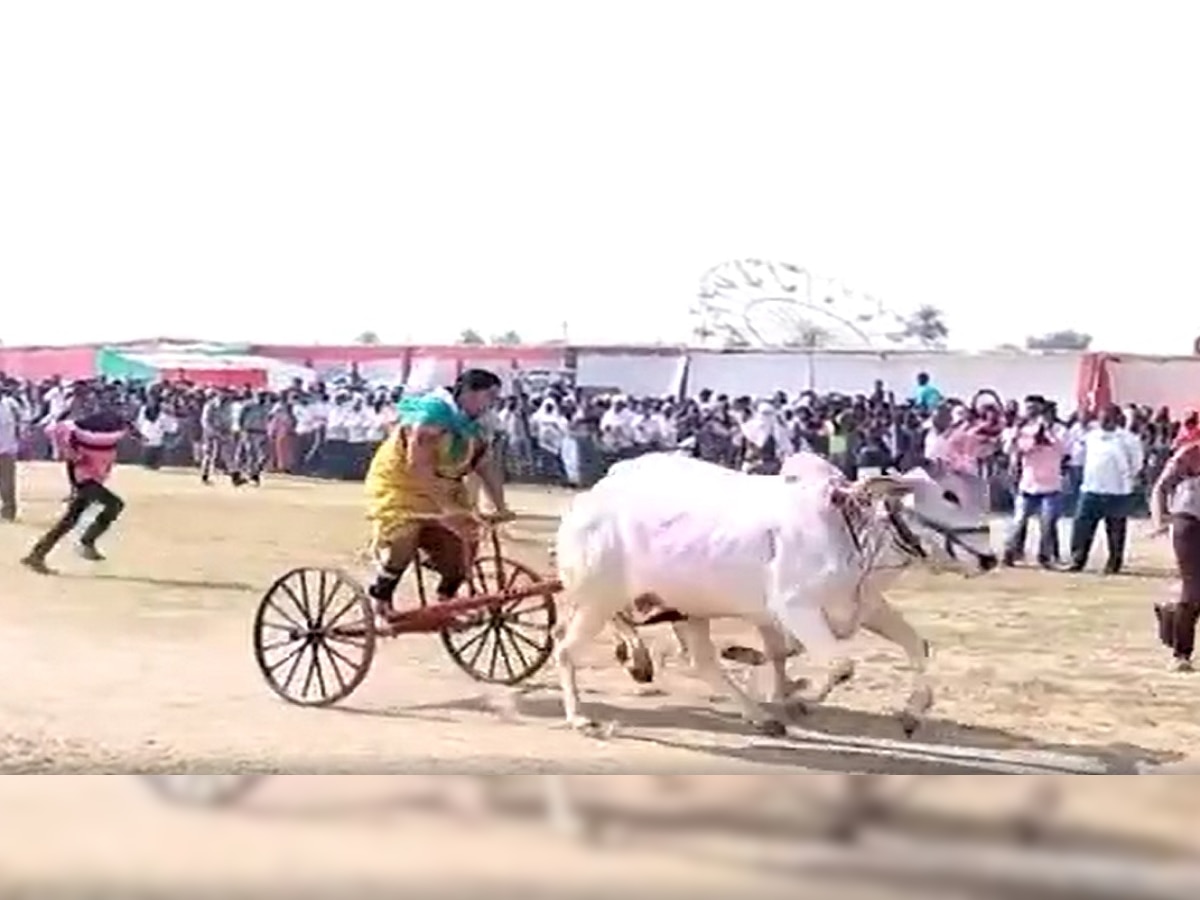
880,486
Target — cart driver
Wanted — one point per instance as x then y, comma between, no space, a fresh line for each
417,496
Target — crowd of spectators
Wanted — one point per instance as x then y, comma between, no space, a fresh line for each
563,435
1040,462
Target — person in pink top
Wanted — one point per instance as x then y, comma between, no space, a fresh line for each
958,445
1040,448
88,445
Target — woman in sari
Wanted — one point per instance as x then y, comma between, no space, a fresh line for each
417,493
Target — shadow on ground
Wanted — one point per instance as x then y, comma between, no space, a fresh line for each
829,738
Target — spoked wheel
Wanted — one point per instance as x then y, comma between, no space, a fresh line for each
510,641
314,636
202,790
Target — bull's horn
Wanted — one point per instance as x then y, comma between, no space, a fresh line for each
883,486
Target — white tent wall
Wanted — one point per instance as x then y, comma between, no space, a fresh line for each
387,372
640,375
1173,382
752,374
281,375
505,370
1055,376
1013,376
429,372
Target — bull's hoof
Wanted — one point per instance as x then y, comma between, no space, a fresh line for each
746,656
640,666
591,728
909,723
621,653
642,675
772,728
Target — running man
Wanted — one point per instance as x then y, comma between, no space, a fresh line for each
88,445
417,496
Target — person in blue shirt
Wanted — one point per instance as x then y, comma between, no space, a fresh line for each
926,395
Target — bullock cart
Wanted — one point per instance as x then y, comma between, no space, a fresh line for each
316,630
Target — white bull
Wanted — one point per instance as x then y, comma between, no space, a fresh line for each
804,555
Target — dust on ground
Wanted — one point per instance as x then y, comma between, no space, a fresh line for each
144,663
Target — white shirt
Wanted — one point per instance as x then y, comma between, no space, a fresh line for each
153,432
337,425
1075,435
645,430
616,429
235,416
381,424
56,401
319,411
1112,461
1008,440
304,419
667,432
509,422
358,425
10,425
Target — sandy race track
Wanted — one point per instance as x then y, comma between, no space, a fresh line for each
143,663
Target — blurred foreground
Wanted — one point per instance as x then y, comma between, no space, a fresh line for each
703,836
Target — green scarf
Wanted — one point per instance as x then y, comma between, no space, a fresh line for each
438,410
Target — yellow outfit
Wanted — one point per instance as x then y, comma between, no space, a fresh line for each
398,501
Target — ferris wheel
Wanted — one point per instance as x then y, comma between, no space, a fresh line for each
767,303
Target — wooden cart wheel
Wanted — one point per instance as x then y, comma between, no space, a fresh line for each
202,790
314,636
510,641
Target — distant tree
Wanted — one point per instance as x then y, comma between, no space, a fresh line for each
470,336
1009,348
1067,339
927,327
367,337
735,341
809,336
508,339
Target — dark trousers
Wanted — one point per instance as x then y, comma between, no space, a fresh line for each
1185,536
1113,510
8,486
1072,480
250,455
84,495
446,551
152,457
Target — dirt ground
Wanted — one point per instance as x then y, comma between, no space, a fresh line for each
143,663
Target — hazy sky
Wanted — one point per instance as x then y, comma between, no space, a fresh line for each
204,169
